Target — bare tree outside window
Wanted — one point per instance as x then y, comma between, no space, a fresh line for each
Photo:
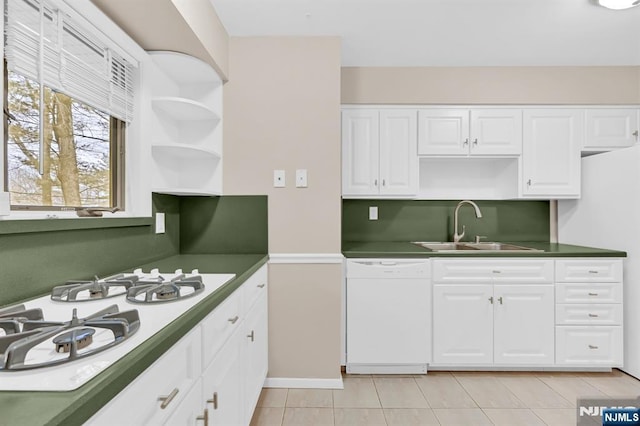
77,148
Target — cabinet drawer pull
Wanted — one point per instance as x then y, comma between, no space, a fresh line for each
593,272
475,141
233,320
261,285
593,315
592,294
375,182
495,271
214,401
251,336
529,182
205,417
466,142
500,299
593,347
491,300
166,400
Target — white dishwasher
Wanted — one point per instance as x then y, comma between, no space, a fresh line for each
388,317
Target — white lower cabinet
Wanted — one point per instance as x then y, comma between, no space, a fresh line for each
211,376
485,324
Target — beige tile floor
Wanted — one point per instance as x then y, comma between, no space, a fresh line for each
443,398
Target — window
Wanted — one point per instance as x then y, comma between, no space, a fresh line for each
68,99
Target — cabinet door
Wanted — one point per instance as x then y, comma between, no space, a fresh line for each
496,132
551,153
443,131
222,384
398,156
524,324
190,411
388,321
360,150
255,355
463,324
610,129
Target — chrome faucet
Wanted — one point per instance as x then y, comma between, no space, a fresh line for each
457,237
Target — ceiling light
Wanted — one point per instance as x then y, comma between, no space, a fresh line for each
618,4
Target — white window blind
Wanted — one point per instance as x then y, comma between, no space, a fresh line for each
49,46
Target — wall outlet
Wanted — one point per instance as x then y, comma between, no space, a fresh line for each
278,179
373,213
301,178
160,223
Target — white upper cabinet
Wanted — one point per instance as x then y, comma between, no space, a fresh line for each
379,152
551,153
608,129
463,132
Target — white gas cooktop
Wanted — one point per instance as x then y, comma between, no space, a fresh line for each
71,375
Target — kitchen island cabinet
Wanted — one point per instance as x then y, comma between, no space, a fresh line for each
76,407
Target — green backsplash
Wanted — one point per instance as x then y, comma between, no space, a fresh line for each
420,220
33,262
230,224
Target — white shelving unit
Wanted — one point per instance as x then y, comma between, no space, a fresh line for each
186,144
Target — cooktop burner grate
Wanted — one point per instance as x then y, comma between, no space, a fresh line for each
70,336
12,317
82,291
158,290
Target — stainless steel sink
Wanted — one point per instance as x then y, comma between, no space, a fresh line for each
448,247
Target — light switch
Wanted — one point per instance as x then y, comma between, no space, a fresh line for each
278,179
159,223
301,178
373,213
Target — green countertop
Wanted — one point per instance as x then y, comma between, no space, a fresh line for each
75,407
360,249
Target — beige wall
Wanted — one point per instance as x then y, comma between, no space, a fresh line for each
282,111
187,26
304,321
489,85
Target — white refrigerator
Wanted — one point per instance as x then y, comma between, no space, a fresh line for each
608,216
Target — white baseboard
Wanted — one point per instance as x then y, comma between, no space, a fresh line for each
303,383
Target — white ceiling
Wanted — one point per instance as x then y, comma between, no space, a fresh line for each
449,32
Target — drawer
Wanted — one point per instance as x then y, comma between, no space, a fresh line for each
588,293
174,373
256,285
589,346
589,314
482,271
589,270
219,325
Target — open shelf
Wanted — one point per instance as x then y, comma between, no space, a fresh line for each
186,152
184,109
185,69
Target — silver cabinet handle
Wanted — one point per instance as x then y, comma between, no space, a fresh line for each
500,299
261,285
475,141
496,271
592,294
592,347
593,272
529,182
251,336
375,182
233,320
204,417
466,142
384,182
166,400
214,401
491,300
593,315
635,134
